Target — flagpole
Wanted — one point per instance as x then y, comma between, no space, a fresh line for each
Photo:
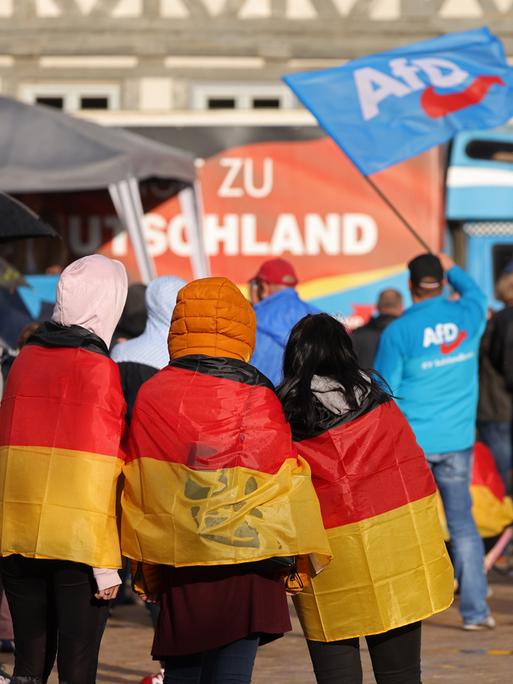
396,211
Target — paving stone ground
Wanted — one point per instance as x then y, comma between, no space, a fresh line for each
450,655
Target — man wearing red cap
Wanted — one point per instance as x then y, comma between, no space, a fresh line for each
278,308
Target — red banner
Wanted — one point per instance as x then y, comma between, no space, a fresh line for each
302,199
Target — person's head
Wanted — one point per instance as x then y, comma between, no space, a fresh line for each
133,318
272,276
504,288
161,296
390,302
320,345
91,293
212,317
150,347
427,277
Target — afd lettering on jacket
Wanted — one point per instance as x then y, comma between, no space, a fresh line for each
446,338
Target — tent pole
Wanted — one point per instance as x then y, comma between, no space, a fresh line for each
190,198
127,202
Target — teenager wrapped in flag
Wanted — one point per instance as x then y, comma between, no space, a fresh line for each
390,568
214,489
61,424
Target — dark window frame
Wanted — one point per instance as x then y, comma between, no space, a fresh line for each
217,102
51,101
96,99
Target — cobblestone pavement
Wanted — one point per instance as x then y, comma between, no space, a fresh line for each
449,654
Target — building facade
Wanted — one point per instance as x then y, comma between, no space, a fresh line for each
135,60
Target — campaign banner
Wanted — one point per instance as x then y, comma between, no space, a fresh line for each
391,106
283,193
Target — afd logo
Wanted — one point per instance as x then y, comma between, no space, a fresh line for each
445,335
408,76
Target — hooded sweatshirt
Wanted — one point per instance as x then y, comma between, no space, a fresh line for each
150,348
143,356
91,293
61,423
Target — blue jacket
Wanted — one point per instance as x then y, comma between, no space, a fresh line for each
276,316
429,357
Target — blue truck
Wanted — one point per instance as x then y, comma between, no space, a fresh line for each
479,204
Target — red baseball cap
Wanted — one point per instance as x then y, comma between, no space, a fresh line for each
277,272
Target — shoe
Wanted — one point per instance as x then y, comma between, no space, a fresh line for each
487,623
150,679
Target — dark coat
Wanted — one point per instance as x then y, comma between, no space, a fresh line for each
366,339
494,398
501,345
133,375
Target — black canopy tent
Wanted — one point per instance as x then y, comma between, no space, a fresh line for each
44,150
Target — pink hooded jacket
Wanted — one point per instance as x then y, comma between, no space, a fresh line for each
91,293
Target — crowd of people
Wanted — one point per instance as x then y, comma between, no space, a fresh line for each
257,449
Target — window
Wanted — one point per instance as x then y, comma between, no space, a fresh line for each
55,102
241,96
221,103
266,103
71,97
490,150
94,103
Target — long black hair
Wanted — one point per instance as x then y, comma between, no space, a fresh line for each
320,345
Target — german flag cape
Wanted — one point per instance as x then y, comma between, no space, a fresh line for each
61,422
492,509
210,476
378,501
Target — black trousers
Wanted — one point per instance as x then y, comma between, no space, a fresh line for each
230,664
54,612
395,657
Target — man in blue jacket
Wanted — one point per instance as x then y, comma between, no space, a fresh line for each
429,357
278,308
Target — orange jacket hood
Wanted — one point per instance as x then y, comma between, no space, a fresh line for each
212,317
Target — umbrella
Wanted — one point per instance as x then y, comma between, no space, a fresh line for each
10,277
18,221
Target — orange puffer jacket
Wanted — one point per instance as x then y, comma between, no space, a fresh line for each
213,318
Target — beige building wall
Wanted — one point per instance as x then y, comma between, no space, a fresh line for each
158,56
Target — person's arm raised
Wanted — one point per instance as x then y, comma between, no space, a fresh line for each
460,281
471,295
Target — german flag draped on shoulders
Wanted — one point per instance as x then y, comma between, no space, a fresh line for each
61,425
390,566
212,477
492,507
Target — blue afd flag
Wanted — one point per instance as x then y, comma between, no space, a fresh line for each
388,107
